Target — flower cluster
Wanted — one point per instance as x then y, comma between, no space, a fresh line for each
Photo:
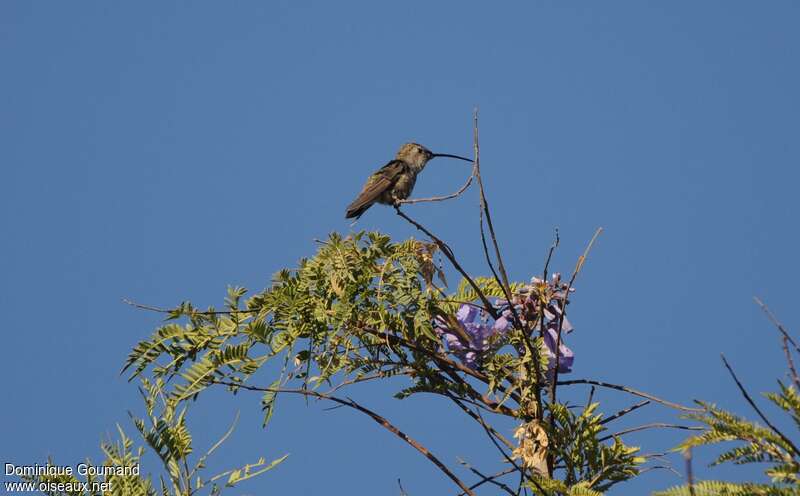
539,298
546,298
480,333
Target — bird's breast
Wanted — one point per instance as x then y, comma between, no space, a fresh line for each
404,185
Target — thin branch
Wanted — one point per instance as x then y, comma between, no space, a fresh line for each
556,242
590,398
446,364
776,322
785,341
758,410
687,455
563,315
654,425
477,398
365,378
503,283
411,201
790,362
496,483
624,412
509,459
174,310
633,392
502,278
516,321
374,416
448,252
659,467
488,258
484,203
490,478
479,420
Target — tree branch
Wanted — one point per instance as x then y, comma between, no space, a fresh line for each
448,252
655,425
488,479
785,342
578,267
374,416
624,412
758,410
633,392
491,478
173,310
411,201
485,204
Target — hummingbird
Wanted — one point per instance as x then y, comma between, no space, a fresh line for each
394,181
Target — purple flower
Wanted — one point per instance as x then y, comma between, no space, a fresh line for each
540,303
481,334
504,322
565,355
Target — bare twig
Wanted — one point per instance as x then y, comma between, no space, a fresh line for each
448,252
758,410
487,479
374,416
563,315
687,455
491,478
502,278
590,398
659,467
624,412
556,241
448,364
485,204
509,459
174,310
654,425
790,362
411,201
785,341
776,322
633,392
364,378
402,491
479,420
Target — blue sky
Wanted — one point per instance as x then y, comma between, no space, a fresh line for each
161,151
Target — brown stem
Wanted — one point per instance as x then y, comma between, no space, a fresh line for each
625,411
448,252
173,310
447,365
488,479
374,416
655,425
485,204
758,410
411,201
563,315
633,392
785,342
687,455
479,420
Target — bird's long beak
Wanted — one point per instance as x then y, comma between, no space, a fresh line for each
451,156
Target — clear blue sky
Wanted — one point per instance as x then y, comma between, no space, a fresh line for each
162,150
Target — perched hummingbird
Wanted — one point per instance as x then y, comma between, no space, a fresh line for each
394,181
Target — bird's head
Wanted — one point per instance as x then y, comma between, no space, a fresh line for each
414,155
417,155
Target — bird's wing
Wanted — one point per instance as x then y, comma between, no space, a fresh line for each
375,186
